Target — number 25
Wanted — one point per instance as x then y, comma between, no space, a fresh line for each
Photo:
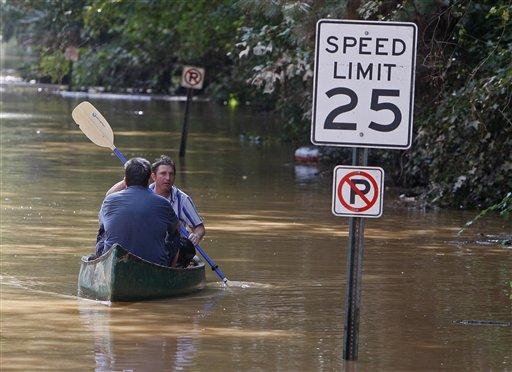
375,105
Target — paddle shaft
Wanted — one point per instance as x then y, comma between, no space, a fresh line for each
119,155
184,232
212,263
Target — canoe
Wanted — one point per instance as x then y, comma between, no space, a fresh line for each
118,275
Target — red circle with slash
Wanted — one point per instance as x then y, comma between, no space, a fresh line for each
368,203
193,76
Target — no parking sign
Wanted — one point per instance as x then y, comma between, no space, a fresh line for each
192,77
357,191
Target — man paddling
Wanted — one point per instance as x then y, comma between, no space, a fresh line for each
138,219
164,175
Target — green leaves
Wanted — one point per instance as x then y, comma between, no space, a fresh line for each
126,43
262,51
55,66
504,207
464,143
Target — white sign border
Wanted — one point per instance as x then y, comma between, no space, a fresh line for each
335,191
315,77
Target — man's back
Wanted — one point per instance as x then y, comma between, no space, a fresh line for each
138,219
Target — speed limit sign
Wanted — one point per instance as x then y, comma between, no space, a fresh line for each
363,91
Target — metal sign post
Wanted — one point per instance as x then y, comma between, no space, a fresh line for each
191,78
355,253
184,129
363,97
71,54
357,193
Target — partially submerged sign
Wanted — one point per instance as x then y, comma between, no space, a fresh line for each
364,84
192,77
357,191
363,97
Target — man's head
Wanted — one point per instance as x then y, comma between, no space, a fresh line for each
163,172
137,172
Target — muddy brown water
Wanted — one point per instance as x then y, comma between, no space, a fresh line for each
269,225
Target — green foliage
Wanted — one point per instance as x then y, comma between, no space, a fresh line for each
43,24
465,133
504,208
126,43
463,128
275,53
262,52
54,65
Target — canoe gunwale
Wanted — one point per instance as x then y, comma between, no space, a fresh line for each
105,256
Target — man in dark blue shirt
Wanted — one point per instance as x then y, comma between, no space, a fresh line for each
137,218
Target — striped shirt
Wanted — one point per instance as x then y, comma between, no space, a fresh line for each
183,207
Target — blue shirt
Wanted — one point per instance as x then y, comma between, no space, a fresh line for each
138,219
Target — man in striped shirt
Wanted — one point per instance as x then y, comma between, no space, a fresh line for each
163,174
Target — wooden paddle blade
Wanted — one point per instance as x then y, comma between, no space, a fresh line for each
94,125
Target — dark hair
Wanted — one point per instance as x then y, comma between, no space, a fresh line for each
163,160
137,172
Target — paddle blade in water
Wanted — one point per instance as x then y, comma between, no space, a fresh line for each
94,125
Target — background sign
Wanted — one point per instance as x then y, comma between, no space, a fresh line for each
71,54
192,77
363,91
357,191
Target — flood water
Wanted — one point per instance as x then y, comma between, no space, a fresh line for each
269,224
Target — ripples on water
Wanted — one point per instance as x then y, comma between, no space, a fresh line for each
269,227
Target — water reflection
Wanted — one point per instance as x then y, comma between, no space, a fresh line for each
147,339
152,336
306,172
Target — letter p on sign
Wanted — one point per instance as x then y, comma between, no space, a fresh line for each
192,77
357,191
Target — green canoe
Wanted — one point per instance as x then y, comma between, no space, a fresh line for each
118,275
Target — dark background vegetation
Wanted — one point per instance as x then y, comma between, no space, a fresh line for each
262,52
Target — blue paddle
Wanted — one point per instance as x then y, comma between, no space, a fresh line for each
98,130
212,263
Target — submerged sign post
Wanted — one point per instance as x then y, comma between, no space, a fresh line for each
363,97
191,78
